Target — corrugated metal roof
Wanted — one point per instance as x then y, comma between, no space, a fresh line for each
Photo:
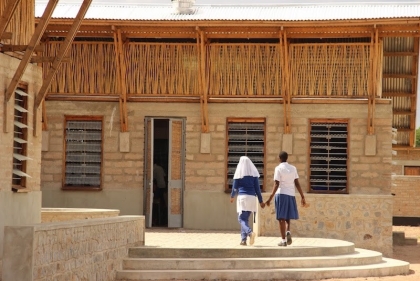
238,12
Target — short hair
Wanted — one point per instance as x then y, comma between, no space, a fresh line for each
283,156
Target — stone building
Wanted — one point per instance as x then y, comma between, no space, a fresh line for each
195,88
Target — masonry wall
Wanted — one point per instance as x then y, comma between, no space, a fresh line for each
90,249
206,205
25,207
406,188
405,158
407,196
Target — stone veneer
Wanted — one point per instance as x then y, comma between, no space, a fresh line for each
18,208
407,196
206,205
68,214
74,250
361,219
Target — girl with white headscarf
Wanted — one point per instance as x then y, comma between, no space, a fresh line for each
247,186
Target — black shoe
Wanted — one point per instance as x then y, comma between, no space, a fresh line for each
282,244
289,238
243,243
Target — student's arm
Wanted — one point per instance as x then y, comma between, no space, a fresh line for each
258,191
297,184
275,187
234,190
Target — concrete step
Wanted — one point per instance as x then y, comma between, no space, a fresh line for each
301,247
388,267
411,241
359,257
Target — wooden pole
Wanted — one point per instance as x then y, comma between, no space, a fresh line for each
63,50
373,79
414,71
286,91
36,37
121,71
204,85
7,15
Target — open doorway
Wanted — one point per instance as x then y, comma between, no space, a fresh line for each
160,172
164,157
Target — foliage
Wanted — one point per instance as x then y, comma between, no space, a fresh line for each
418,137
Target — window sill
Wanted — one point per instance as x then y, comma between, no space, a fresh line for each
81,188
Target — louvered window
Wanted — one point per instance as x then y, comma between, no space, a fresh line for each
83,146
328,154
20,140
245,138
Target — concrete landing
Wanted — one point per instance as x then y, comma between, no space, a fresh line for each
199,255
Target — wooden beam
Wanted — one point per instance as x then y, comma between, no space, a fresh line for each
39,30
48,59
62,51
201,40
6,35
121,75
414,86
408,76
21,48
7,15
397,94
373,78
286,82
400,54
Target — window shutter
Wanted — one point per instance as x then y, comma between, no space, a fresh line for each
20,140
83,153
328,154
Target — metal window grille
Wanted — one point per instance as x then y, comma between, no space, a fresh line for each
328,154
245,139
83,153
20,139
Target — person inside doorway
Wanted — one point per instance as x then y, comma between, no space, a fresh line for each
159,176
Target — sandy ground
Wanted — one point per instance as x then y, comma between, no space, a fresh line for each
410,254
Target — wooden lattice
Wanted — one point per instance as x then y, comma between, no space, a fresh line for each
22,24
175,201
244,69
329,69
176,146
92,69
162,69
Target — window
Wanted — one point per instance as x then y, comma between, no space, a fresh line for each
245,137
411,170
20,139
328,155
83,148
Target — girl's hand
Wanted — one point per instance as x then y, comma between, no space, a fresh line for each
231,200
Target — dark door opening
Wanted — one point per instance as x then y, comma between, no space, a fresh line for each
160,172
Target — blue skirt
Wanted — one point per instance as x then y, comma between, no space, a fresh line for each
286,207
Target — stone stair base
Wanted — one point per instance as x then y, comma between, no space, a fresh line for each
302,261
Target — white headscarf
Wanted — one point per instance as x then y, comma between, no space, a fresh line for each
245,168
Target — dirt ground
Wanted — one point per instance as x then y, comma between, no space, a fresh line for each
410,254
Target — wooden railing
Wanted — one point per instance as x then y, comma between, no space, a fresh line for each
232,70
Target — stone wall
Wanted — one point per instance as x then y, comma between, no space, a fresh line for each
75,250
407,196
361,219
405,158
206,205
17,208
69,214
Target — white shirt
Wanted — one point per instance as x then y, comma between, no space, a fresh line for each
159,176
286,174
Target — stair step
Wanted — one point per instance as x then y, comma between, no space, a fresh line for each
410,241
388,267
360,257
302,247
